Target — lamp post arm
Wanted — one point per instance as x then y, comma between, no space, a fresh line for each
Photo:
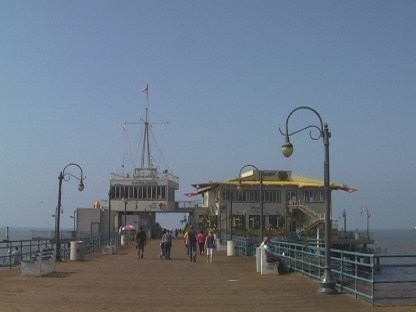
300,130
320,127
258,171
261,194
63,173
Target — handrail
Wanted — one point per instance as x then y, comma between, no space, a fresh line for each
27,248
380,279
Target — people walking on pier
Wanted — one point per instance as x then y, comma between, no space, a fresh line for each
186,241
162,250
201,242
192,239
167,243
210,246
140,242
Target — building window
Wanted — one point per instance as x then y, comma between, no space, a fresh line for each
239,222
154,192
314,196
251,196
228,195
254,221
291,197
271,196
164,192
273,222
161,191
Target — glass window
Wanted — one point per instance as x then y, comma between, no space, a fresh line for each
291,197
271,196
314,196
154,192
254,221
239,222
273,222
163,192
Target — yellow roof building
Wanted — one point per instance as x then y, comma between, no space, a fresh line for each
289,203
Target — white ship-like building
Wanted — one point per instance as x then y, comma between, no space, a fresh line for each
136,197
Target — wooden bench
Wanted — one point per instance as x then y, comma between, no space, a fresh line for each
42,263
262,266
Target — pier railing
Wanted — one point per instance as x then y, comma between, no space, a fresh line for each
12,252
380,279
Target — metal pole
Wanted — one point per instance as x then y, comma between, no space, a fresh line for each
74,220
261,195
344,214
261,205
231,214
58,207
125,212
57,219
109,217
328,282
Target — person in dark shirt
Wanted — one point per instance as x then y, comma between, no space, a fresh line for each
140,242
192,239
210,245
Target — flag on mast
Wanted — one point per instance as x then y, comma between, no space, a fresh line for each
146,89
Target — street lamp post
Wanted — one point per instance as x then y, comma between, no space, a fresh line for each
327,282
239,187
73,217
368,220
64,176
344,214
110,228
231,213
125,210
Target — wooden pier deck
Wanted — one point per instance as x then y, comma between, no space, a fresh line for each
122,282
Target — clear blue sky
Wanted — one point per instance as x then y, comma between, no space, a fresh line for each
225,74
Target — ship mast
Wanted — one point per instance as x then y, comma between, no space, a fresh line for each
147,166
146,143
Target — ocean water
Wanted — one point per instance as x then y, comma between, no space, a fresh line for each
398,241
19,233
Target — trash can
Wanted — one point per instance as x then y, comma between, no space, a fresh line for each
77,252
231,248
123,240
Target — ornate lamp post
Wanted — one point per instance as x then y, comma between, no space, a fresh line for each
327,282
239,187
64,176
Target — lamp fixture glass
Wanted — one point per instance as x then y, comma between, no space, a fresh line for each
287,148
81,186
